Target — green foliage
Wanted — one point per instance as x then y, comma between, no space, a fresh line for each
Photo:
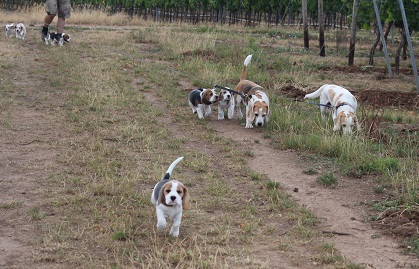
328,179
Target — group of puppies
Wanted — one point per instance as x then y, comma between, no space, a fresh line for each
246,93
171,197
256,101
18,30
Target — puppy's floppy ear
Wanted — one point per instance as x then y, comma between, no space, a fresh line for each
358,127
186,204
250,114
162,197
337,122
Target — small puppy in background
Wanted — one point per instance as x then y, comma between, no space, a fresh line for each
20,31
254,98
170,197
343,104
200,100
9,29
225,102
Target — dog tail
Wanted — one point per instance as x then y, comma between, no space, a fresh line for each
246,63
315,94
171,167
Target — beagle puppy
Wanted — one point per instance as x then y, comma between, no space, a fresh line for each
170,197
225,102
200,100
254,98
342,102
9,29
20,31
60,39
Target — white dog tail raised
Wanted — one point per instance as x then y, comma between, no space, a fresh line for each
315,94
171,167
246,63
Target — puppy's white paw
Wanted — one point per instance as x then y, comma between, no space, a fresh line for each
174,232
161,226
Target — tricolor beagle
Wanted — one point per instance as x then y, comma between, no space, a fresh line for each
170,197
200,100
342,102
254,98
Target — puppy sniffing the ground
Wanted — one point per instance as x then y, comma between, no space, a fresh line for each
170,197
254,98
200,100
342,102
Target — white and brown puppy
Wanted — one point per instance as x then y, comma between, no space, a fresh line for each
254,98
9,29
342,102
225,102
170,197
200,100
60,39
20,31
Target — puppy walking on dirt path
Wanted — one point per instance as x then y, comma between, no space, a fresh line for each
254,98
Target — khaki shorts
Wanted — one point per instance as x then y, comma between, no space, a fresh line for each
60,7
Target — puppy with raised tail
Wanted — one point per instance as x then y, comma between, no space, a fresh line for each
170,197
225,102
254,98
20,31
342,102
200,100
9,29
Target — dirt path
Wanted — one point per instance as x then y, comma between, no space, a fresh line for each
341,210
30,141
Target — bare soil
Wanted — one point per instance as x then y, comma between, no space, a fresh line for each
34,137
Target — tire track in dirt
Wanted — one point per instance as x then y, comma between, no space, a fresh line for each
30,143
340,210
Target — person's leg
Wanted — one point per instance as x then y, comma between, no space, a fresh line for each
60,25
64,11
51,9
48,19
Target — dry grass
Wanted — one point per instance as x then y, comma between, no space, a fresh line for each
79,16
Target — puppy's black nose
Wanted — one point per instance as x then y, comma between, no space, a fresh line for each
173,198
259,124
